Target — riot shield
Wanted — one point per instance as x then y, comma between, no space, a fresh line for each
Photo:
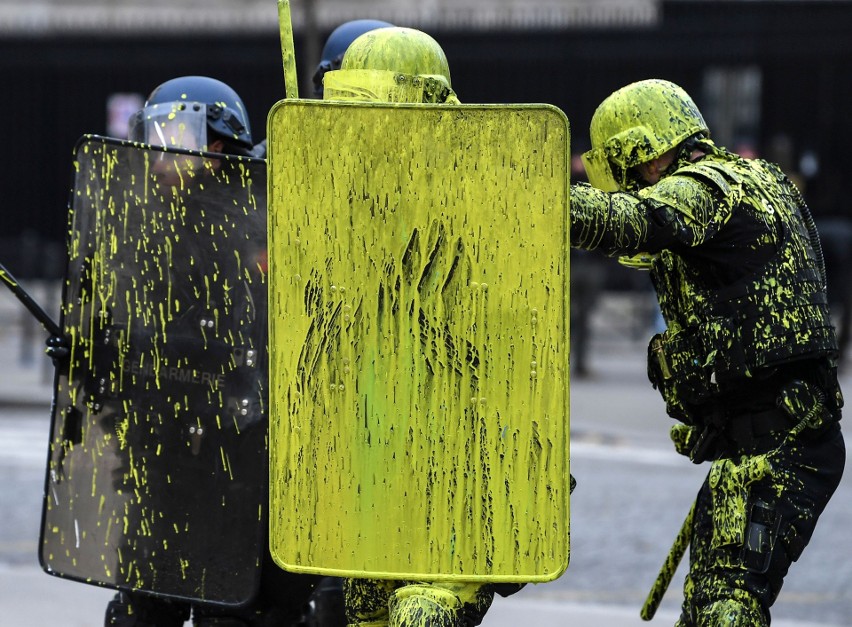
419,340
157,469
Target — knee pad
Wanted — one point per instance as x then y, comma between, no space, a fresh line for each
424,606
730,613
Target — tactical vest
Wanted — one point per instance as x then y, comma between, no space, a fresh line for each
722,339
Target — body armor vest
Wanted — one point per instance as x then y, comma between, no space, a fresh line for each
723,336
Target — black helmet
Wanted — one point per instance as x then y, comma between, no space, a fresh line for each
336,45
182,111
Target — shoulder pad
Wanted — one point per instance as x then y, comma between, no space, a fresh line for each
714,174
703,194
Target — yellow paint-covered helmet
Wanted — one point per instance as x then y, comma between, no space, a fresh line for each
636,124
392,64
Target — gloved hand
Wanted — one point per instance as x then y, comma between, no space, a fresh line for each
684,438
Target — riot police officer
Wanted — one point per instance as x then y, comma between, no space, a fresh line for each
747,363
194,112
371,70
202,113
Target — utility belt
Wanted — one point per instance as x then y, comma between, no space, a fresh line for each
702,364
726,430
704,378
751,428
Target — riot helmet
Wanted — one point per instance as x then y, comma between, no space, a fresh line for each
636,124
393,64
336,45
192,112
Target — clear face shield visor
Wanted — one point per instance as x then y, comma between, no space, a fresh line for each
612,167
599,170
387,86
171,125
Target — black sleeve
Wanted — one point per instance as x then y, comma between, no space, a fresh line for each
621,224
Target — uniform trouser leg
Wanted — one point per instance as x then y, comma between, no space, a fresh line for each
379,603
723,587
131,609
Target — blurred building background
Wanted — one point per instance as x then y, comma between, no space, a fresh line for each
771,76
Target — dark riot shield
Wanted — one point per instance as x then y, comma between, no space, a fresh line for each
156,479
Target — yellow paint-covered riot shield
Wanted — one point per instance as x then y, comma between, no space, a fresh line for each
419,340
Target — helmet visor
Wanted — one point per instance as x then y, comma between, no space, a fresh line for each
172,125
385,86
599,170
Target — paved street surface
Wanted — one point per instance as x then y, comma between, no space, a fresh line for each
632,495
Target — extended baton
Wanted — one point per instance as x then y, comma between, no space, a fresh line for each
655,596
29,303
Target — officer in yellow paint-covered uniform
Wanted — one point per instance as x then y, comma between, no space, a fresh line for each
404,65
747,363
